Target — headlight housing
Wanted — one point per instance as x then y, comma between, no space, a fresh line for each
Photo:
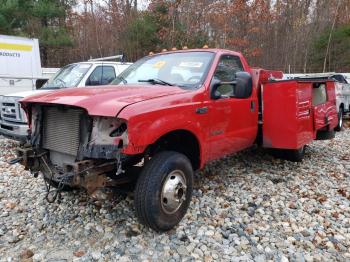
109,130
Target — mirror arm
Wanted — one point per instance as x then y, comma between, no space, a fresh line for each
229,83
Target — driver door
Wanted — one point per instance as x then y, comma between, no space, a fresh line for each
233,120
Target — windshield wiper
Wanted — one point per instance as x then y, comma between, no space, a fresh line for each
122,79
156,81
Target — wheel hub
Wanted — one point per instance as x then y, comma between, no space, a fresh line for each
173,191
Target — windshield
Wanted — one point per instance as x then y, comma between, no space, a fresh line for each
186,69
67,76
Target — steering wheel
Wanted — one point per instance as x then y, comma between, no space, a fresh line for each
194,79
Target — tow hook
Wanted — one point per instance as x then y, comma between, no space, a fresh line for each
15,160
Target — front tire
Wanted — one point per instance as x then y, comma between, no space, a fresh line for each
163,191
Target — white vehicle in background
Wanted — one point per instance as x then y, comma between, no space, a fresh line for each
342,91
20,65
13,121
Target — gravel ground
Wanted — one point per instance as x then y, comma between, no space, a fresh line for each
248,207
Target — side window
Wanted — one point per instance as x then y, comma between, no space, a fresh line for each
319,94
225,71
227,68
102,75
108,75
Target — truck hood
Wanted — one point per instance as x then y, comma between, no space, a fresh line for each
26,93
103,101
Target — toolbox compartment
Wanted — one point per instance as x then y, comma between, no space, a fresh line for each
293,111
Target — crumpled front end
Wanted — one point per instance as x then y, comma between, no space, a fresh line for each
72,149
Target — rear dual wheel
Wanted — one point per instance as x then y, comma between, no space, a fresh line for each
163,191
294,155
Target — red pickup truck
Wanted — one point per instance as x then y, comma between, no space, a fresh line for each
167,115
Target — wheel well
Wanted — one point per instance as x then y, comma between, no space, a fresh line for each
181,141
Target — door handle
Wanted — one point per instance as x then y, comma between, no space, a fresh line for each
252,106
202,110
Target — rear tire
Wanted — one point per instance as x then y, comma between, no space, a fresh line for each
163,191
340,120
325,135
296,155
293,155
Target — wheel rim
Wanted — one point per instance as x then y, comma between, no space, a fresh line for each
173,191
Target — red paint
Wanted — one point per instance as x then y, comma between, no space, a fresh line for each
228,126
325,115
103,101
290,120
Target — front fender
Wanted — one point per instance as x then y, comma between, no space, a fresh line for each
145,129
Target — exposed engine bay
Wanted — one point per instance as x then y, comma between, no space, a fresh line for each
72,149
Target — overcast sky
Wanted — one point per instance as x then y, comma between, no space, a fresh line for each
142,4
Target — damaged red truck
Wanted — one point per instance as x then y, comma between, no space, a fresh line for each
168,115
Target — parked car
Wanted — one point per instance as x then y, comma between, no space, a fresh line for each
175,112
13,121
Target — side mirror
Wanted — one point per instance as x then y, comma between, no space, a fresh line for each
214,85
244,85
241,87
39,83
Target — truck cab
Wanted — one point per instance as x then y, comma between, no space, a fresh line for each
13,121
166,116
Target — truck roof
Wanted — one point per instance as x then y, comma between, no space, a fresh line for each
11,37
212,50
102,62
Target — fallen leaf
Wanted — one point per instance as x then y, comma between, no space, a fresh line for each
10,205
322,199
342,192
79,253
25,254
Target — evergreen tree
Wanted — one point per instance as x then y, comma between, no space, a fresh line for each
42,19
14,16
338,58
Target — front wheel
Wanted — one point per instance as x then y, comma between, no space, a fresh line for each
340,120
164,190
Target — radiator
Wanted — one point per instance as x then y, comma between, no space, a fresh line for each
61,130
